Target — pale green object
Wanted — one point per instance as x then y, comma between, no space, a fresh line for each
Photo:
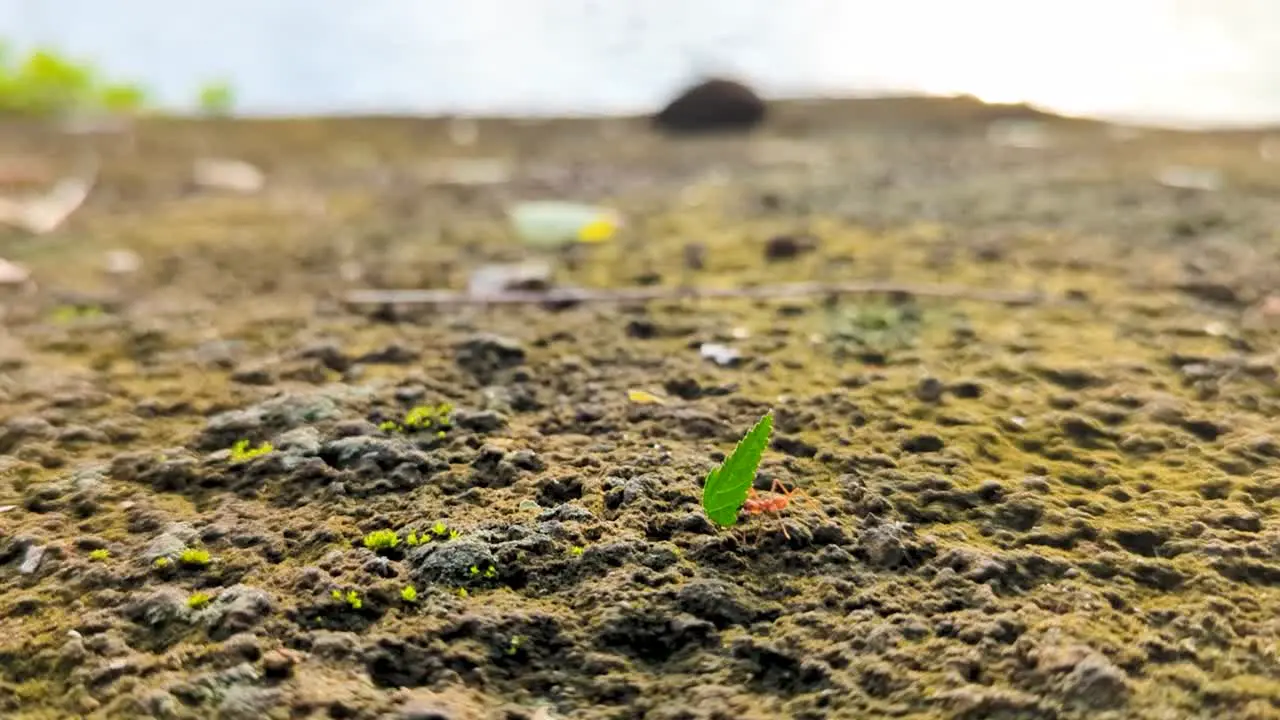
553,223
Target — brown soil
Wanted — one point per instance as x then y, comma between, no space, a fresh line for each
1064,510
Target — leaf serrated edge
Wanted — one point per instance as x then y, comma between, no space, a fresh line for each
708,490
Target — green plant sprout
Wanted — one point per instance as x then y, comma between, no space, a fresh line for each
242,452
351,598
489,572
576,551
455,534
727,486
161,563
412,539
381,540
440,529
423,418
409,594
198,600
100,555
513,646
462,593
70,313
217,99
44,83
192,557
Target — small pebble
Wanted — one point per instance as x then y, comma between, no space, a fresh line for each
233,175
31,561
122,262
787,247
13,274
722,355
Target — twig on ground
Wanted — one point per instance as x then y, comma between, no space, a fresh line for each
567,296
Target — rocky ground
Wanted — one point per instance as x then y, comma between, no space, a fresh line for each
1065,509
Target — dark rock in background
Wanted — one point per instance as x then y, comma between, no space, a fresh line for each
715,105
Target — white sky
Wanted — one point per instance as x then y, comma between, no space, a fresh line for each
1209,60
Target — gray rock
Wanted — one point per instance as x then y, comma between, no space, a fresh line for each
171,470
73,652
479,420
329,353
380,567
279,414
113,670
619,492
392,354
354,428
243,702
90,479
348,452
218,353
567,513
31,559
334,645
929,389
244,646
296,446
166,545
160,704
85,487
1095,681
449,563
82,434
215,685
22,428
527,460
717,602
883,545
236,609
714,105
159,608
486,355
426,710
720,354
259,375
183,531
303,441
309,578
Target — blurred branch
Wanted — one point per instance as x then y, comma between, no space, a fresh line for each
569,296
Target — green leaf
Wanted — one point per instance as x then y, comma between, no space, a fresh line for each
123,98
217,98
726,488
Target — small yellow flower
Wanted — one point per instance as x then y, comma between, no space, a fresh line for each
599,230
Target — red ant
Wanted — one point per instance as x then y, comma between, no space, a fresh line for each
756,505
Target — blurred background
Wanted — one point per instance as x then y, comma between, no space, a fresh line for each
1185,62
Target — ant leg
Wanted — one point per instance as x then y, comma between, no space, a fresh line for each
807,498
781,489
782,524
